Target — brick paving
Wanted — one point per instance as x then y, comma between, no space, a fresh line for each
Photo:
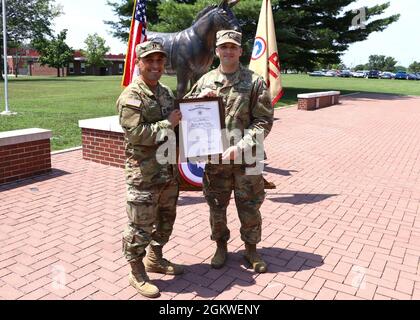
343,222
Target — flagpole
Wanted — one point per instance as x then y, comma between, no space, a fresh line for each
6,98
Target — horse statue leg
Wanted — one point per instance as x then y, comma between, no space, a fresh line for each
183,77
195,78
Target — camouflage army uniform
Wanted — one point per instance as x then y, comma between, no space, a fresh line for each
152,191
247,106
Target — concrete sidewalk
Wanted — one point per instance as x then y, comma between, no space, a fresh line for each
343,223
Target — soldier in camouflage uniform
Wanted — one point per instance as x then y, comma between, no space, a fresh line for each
146,115
247,106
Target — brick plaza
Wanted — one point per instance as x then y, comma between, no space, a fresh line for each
343,223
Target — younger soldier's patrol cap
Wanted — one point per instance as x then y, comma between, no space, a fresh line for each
228,36
148,47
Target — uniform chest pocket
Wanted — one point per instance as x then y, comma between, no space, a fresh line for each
152,113
239,105
129,117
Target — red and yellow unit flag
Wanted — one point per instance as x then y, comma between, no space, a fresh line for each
265,58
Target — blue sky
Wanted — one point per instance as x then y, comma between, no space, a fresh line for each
401,40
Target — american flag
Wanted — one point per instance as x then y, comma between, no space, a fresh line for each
137,35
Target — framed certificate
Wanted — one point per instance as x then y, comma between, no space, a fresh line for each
201,128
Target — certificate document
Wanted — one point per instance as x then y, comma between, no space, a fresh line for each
201,128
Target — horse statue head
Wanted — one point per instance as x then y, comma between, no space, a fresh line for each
221,16
191,51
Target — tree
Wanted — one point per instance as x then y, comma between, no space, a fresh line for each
415,67
361,67
55,52
28,20
382,63
124,10
376,62
322,30
308,32
17,55
400,68
95,51
390,63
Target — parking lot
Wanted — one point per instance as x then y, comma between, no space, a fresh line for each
368,74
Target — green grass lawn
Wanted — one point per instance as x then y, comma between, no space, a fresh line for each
59,103
298,83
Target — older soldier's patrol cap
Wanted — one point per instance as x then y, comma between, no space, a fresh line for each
228,36
148,47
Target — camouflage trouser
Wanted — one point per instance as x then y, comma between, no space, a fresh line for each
151,215
218,182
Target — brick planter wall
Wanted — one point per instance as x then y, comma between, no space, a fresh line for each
105,147
103,142
24,153
313,101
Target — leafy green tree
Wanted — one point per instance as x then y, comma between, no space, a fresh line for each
400,68
360,67
381,62
28,20
320,31
17,55
96,50
390,64
414,67
175,16
124,10
55,52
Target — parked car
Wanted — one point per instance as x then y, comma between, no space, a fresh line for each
316,74
418,75
331,73
345,74
401,75
358,74
373,74
386,75
411,76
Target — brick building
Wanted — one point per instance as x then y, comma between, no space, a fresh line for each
79,66
26,61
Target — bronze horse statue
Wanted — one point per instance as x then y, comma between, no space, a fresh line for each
191,51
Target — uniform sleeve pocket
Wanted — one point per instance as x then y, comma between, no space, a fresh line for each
130,117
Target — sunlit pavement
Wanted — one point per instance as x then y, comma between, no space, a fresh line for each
343,222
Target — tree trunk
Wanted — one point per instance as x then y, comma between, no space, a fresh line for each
58,72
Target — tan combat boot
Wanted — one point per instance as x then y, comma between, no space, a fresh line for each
254,259
220,256
156,263
140,281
